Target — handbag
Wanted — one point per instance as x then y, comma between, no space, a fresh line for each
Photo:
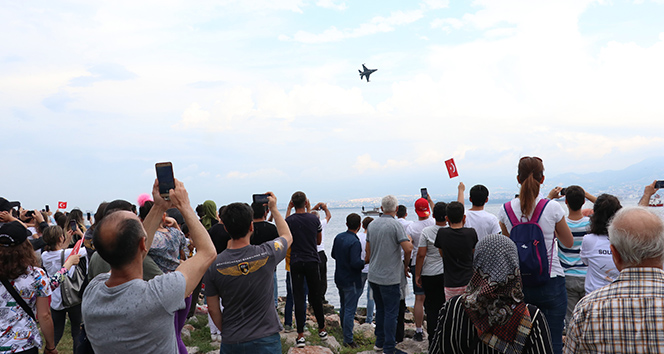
18,298
71,288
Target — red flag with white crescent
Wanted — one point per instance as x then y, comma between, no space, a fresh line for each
62,205
451,168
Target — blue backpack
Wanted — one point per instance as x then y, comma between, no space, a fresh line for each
529,239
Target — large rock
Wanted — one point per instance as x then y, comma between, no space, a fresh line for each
332,321
410,346
291,337
313,349
362,311
189,327
409,317
192,350
329,309
332,343
366,329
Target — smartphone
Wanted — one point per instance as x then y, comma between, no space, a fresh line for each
424,192
659,184
562,191
260,198
88,215
165,178
72,225
47,208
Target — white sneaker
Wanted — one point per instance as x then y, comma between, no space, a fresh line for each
300,342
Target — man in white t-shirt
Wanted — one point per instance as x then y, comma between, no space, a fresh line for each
414,230
402,213
479,219
322,266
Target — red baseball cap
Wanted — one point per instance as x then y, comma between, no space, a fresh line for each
422,208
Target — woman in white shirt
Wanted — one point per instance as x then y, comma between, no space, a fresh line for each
52,259
595,248
551,297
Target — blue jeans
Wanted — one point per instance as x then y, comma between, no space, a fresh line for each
276,290
349,297
266,345
370,299
387,299
551,299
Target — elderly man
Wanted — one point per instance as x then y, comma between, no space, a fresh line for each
385,240
124,313
626,315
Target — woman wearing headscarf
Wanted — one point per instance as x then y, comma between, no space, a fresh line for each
491,316
209,217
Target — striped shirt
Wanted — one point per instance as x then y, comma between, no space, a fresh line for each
626,316
456,333
570,258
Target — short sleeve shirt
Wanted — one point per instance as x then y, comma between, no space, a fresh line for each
20,332
552,214
133,317
305,228
166,247
244,280
433,263
384,236
457,246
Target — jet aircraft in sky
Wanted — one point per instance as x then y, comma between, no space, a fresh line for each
366,72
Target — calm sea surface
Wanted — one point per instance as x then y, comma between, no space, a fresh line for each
338,225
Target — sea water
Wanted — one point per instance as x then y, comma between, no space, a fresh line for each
337,225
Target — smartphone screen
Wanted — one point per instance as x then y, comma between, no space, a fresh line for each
72,225
659,184
424,192
165,178
260,198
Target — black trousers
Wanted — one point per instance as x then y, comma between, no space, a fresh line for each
434,292
322,269
58,316
301,272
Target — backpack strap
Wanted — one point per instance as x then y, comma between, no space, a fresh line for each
537,214
510,214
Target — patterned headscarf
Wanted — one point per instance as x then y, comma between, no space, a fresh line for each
494,296
210,209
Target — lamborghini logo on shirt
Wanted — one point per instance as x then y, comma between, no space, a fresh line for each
243,268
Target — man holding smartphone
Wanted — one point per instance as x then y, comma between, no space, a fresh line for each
121,311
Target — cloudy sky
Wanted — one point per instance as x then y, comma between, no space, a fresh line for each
247,96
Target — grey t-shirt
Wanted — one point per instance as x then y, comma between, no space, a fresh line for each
244,280
98,266
134,317
384,236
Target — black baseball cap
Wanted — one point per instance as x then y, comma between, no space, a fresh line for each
13,234
6,205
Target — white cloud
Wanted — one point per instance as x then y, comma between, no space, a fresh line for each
436,4
261,173
593,146
331,4
364,163
376,25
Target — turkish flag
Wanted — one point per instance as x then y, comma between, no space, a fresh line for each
451,168
62,205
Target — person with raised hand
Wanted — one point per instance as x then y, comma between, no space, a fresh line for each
121,311
243,278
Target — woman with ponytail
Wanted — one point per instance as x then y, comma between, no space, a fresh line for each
550,297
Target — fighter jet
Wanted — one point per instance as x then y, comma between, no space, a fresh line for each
366,72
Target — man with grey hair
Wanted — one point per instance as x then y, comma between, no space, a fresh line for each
385,240
626,315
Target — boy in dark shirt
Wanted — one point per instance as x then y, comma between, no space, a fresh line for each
457,245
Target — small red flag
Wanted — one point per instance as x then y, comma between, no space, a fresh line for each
62,205
451,168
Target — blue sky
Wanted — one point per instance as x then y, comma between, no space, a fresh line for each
248,96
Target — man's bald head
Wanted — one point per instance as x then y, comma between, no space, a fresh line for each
117,238
638,236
